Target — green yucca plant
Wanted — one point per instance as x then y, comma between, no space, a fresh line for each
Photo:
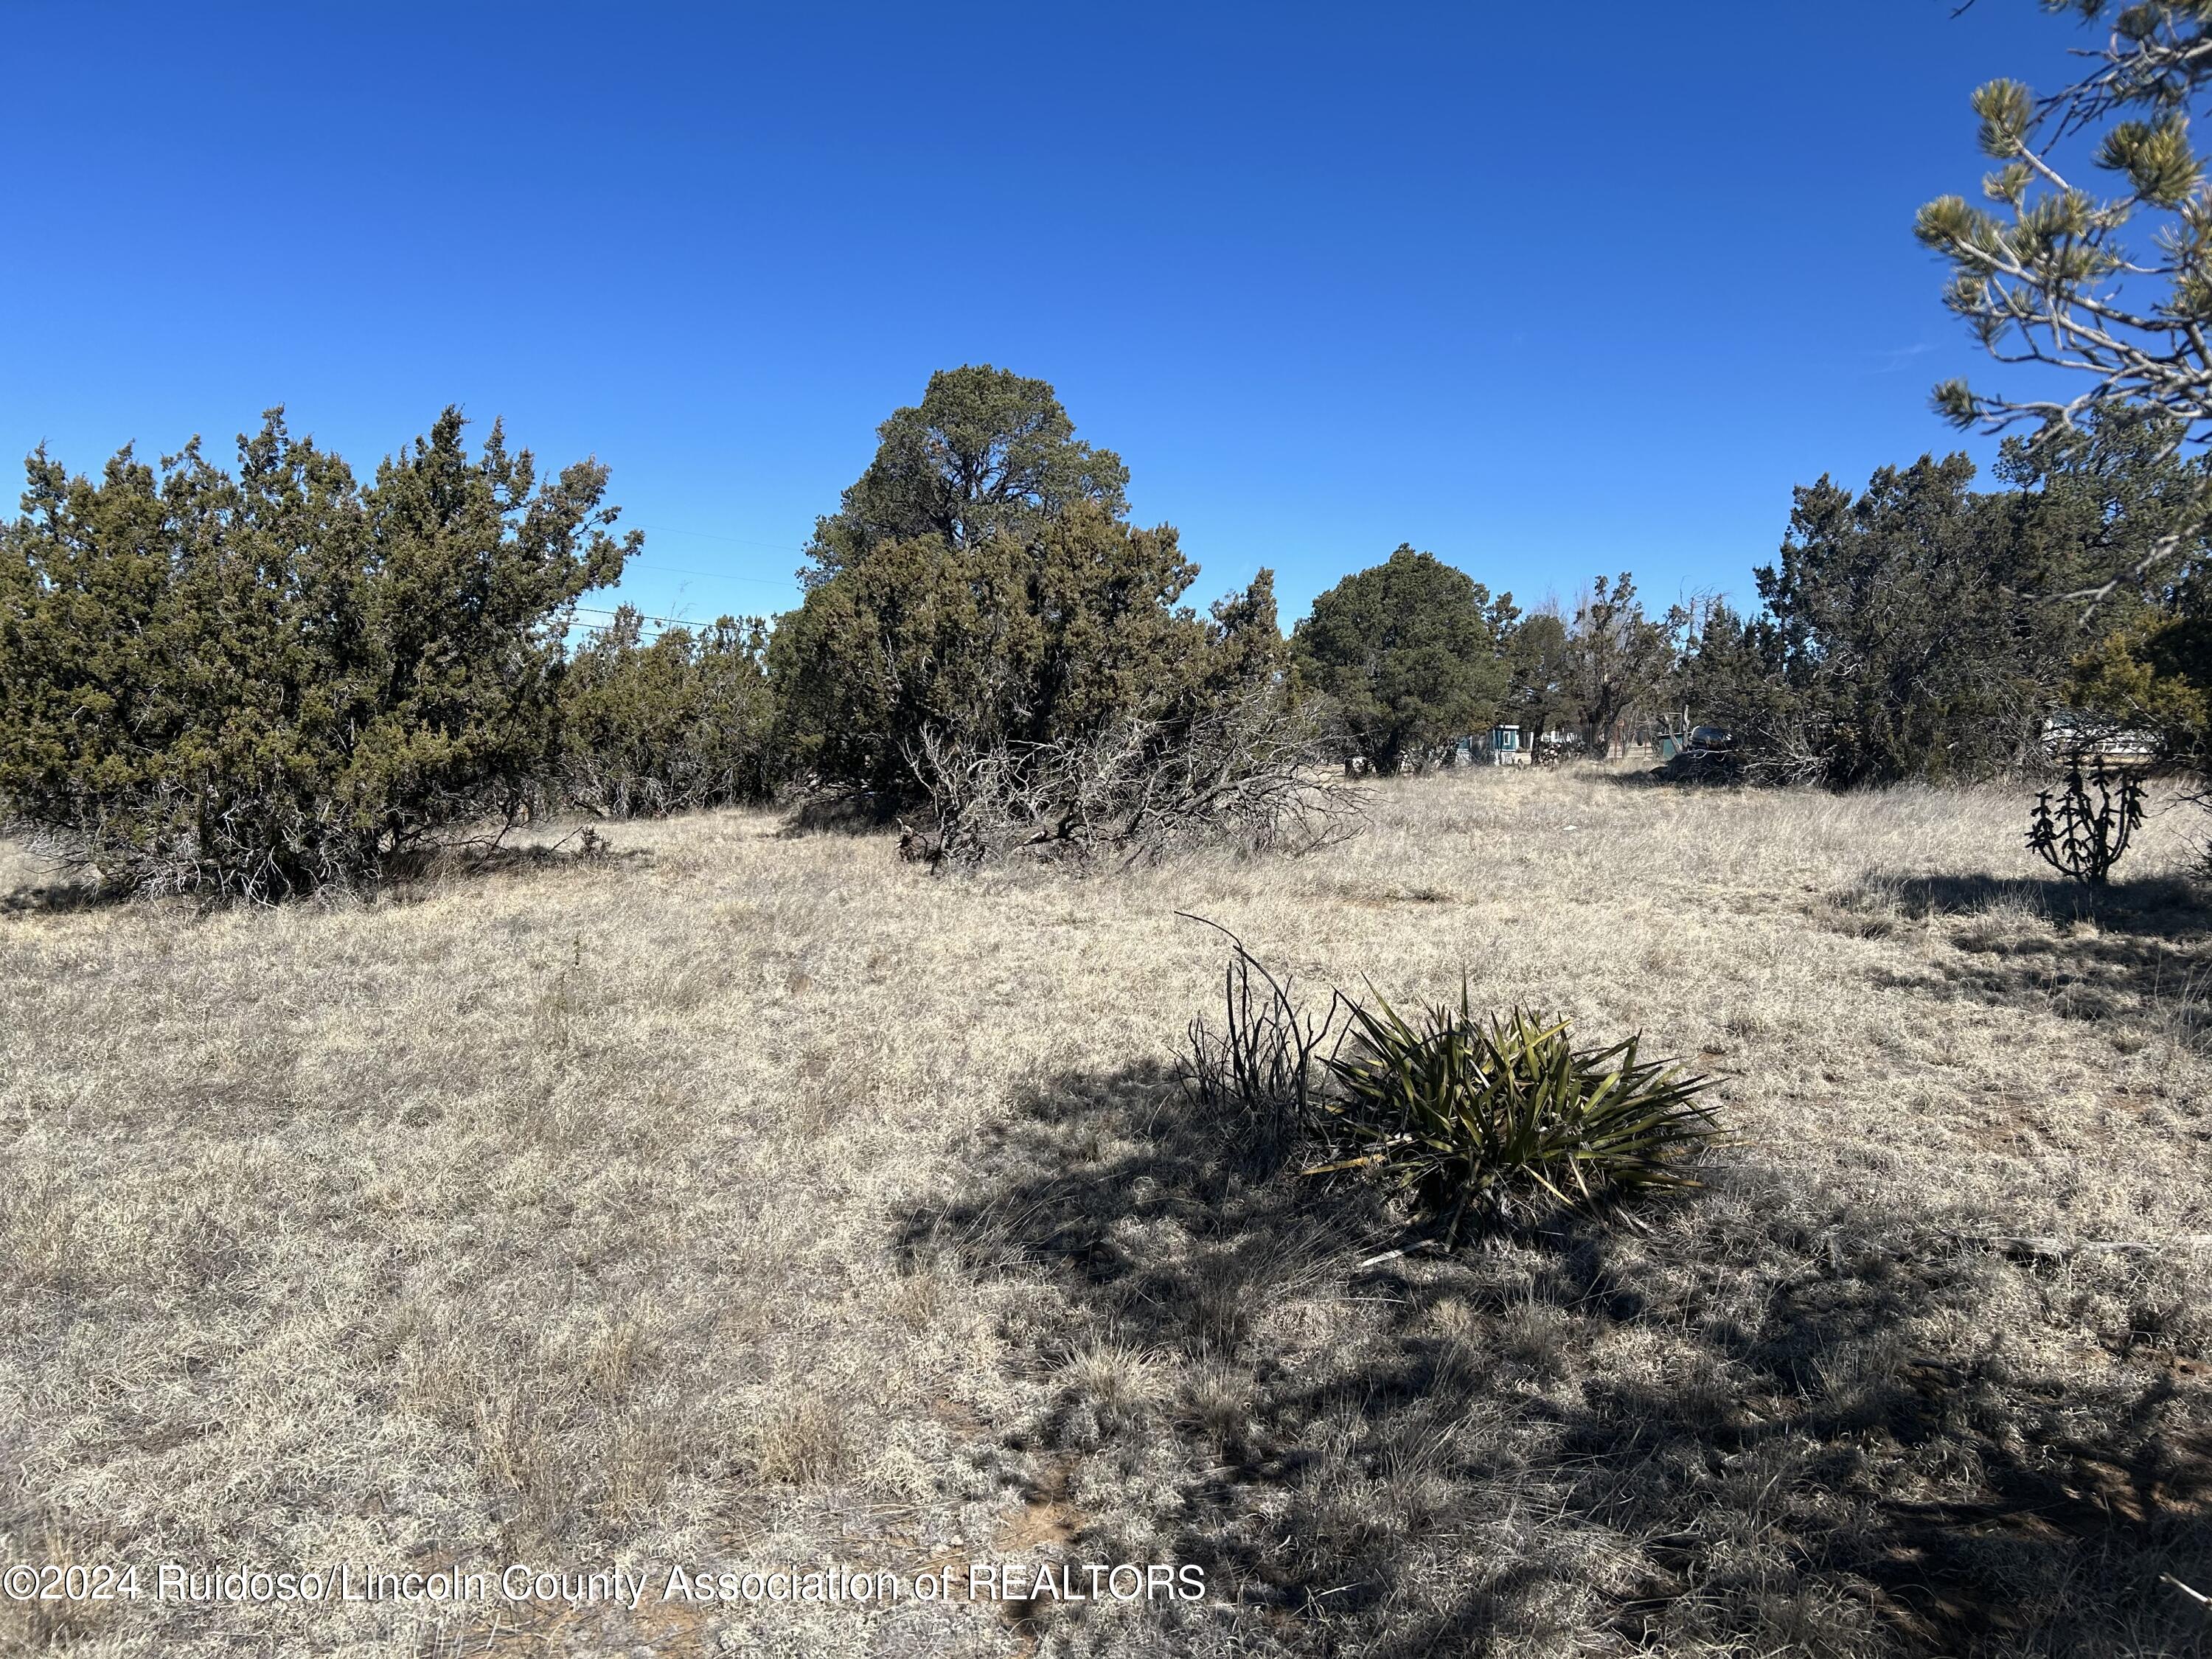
1476,1119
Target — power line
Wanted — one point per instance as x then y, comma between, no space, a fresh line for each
720,576
713,536
665,622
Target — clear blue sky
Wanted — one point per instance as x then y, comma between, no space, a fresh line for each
1550,290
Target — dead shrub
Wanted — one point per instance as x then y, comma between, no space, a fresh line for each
1261,1069
1243,775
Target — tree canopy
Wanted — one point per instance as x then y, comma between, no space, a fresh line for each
1616,658
979,586
986,453
683,721
1406,654
998,641
1902,633
1889,614
269,679
1537,695
2095,257
264,682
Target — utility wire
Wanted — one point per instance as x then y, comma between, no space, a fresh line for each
665,622
713,536
719,576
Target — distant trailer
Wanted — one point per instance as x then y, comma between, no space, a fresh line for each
2071,736
1504,747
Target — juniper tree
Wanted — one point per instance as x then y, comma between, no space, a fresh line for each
1616,658
1536,653
683,721
1405,653
1246,651
262,683
995,640
979,586
986,453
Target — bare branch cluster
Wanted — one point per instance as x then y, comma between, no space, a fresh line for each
1261,1073
1245,774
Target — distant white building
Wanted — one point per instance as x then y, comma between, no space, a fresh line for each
2071,732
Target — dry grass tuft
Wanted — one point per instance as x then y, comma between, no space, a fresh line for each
804,1442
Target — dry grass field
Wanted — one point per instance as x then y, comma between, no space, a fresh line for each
741,1199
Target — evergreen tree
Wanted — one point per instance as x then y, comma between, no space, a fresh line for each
1246,651
986,453
1535,654
1407,657
2095,259
2106,273
264,683
980,585
1894,624
679,723
985,642
1615,660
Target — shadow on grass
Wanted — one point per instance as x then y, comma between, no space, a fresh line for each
2154,907
1783,1420
61,897
2138,951
586,848
406,880
1658,776
840,812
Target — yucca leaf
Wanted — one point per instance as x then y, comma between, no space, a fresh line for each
1476,1116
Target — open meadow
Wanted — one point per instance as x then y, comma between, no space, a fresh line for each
738,1198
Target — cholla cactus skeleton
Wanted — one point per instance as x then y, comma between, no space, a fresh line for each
2081,840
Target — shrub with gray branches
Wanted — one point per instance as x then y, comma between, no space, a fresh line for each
1244,774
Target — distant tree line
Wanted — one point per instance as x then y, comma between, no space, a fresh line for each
1910,631
276,678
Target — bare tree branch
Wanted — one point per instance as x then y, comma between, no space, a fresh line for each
1246,775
